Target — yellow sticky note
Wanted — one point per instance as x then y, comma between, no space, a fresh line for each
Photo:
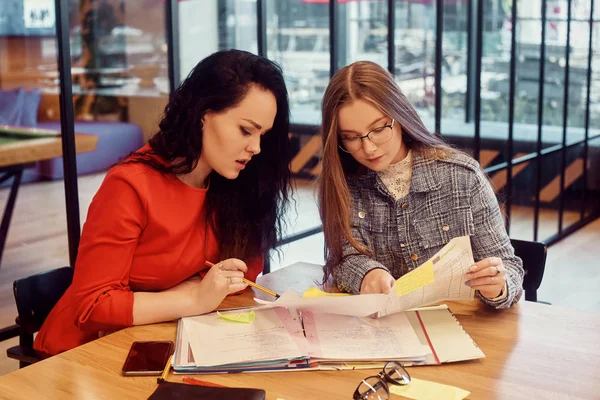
415,279
426,390
316,292
245,318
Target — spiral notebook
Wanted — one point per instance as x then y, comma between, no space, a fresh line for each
289,340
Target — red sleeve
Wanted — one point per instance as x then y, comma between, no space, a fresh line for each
110,235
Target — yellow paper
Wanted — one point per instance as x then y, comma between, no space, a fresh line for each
415,279
426,390
316,292
245,318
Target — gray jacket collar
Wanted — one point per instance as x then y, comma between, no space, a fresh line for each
423,179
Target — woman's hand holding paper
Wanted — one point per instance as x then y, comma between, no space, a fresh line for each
488,276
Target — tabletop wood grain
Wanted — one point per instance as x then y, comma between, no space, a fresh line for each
38,149
533,351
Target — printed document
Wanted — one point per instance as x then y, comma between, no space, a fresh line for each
440,278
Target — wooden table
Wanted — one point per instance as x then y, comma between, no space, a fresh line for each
27,149
533,351
20,147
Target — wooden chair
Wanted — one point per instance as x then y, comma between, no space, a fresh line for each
533,255
35,296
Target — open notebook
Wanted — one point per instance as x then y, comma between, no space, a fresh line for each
282,339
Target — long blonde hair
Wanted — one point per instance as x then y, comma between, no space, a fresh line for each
370,82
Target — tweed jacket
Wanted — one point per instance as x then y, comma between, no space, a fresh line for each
448,198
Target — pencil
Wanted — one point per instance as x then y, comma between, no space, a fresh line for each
254,285
163,377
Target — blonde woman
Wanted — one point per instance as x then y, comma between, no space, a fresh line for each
392,194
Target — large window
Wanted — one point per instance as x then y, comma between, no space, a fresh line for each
298,40
206,26
415,55
363,32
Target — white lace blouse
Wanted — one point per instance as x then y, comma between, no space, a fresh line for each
396,177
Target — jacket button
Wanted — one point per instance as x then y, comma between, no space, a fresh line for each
403,245
404,205
361,215
445,228
414,257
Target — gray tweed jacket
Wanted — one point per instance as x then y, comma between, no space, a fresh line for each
448,198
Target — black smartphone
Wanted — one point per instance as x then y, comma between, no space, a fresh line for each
147,358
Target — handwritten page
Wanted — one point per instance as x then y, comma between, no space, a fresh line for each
449,266
338,337
415,279
216,342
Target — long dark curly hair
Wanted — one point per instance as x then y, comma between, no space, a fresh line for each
245,213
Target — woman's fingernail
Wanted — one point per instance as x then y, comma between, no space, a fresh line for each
467,283
473,268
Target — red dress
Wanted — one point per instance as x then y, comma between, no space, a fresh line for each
145,232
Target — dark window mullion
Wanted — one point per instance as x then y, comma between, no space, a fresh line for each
172,31
392,36
67,125
587,108
511,112
439,29
479,54
561,199
540,120
333,37
261,27
468,93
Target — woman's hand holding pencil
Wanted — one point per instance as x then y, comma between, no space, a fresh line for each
222,279
246,281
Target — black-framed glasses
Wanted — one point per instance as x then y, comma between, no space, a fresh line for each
376,387
380,135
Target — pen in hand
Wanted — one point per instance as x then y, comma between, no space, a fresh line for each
254,285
